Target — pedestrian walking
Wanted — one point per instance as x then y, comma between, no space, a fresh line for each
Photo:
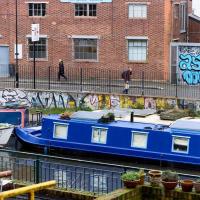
126,75
126,87
61,71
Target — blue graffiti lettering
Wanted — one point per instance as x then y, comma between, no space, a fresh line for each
185,62
190,67
191,77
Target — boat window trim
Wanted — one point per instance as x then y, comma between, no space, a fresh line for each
179,136
54,128
132,136
97,127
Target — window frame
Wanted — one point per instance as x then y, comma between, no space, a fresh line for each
180,136
137,39
33,9
135,5
87,10
183,17
99,137
132,137
62,124
86,59
28,45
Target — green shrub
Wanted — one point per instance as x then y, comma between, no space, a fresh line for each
169,176
130,176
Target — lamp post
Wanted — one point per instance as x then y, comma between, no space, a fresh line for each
16,50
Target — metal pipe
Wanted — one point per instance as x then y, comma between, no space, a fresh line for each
16,53
5,174
132,117
28,189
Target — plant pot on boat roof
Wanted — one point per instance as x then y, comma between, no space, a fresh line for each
130,179
155,177
187,185
65,115
169,179
142,176
197,185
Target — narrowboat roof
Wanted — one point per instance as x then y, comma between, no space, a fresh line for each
119,123
97,114
187,123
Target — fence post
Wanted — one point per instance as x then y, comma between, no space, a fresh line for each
49,86
81,81
37,172
176,85
142,83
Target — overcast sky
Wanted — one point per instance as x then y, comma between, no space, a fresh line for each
196,7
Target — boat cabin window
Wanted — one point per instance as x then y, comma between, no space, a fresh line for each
60,130
139,139
180,144
99,135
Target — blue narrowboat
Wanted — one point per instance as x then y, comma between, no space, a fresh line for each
178,142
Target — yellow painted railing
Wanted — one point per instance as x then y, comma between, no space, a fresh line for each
28,189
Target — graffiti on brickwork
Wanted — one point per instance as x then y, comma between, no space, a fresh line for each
149,103
19,98
189,64
114,101
91,101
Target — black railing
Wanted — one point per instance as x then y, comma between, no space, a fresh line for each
83,175
103,81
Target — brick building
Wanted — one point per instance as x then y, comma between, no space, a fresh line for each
194,28
104,34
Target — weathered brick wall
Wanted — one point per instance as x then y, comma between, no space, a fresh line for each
111,25
194,29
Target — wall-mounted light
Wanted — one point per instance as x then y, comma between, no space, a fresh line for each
1,36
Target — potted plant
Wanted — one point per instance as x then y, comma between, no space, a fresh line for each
65,115
197,185
130,179
155,177
109,117
187,185
142,176
169,179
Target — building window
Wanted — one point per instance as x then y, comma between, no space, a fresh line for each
137,11
139,139
137,50
183,17
85,10
85,49
40,48
180,144
37,9
60,131
99,135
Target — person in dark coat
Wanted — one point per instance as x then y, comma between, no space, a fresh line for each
61,71
126,75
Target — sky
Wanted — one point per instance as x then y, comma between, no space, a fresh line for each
196,7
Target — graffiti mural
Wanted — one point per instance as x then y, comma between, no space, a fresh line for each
189,64
15,98
19,98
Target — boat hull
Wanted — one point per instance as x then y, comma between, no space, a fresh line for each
5,135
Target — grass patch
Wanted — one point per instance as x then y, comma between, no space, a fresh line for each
47,111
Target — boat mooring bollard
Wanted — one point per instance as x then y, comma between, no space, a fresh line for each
132,117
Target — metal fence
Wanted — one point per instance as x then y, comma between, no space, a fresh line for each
98,80
95,177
